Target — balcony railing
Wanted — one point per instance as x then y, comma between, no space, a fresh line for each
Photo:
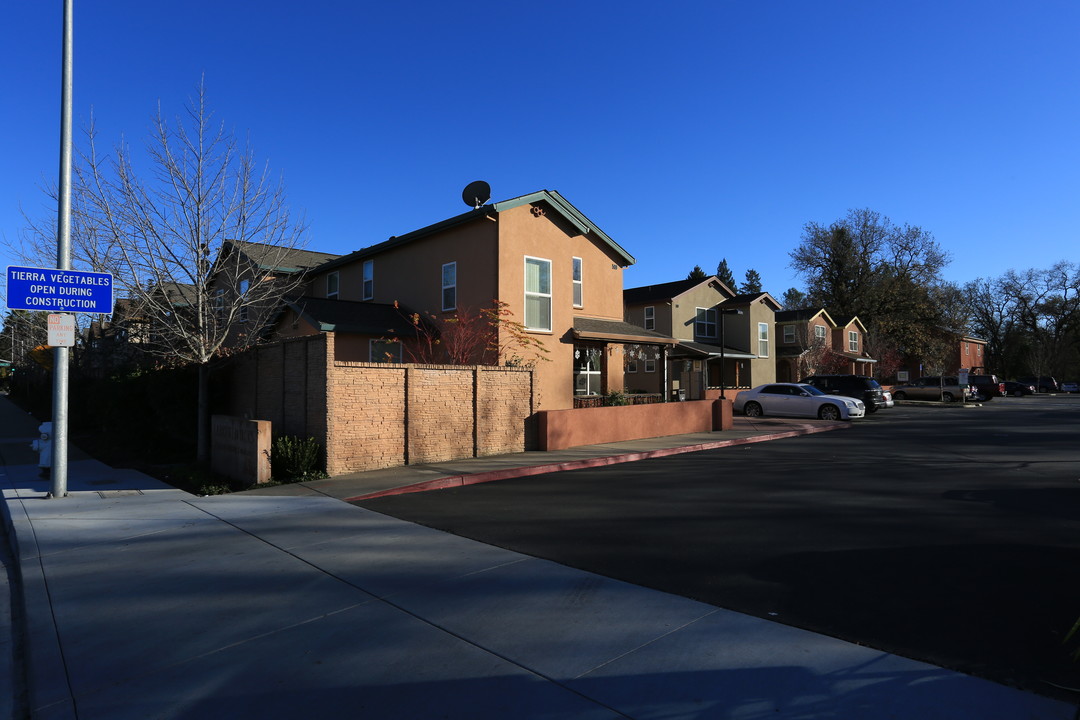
592,401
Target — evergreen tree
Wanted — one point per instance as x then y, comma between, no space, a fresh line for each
724,273
752,282
794,299
697,274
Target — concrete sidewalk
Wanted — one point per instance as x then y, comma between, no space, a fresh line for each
144,601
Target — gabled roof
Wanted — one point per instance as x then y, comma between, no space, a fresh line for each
277,258
844,322
669,290
365,318
804,314
554,200
748,298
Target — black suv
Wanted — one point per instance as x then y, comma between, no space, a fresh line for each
1043,383
988,387
860,387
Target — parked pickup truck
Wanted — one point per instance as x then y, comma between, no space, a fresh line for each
987,387
945,389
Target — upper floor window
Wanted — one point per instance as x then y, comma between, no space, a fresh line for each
537,294
789,334
332,285
705,323
577,283
819,333
853,341
369,279
219,301
244,286
650,318
449,286
763,339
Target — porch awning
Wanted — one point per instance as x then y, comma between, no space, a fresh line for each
617,332
686,348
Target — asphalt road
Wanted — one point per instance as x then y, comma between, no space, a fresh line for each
946,535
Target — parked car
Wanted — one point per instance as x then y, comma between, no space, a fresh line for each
859,387
945,389
796,400
1018,389
1043,383
987,387
887,396
1070,387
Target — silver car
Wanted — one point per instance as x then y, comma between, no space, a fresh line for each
797,400
945,389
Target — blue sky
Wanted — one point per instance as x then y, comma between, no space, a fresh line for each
688,131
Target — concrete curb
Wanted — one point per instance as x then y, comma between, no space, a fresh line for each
508,474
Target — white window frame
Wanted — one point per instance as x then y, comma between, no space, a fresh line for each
452,285
789,334
579,297
245,285
369,279
333,280
381,358
763,339
821,333
853,341
650,365
631,366
537,293
650,317
702,323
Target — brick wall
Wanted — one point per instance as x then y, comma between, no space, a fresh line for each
377,415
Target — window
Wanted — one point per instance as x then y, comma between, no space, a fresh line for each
819,333
219,301
789,334
853,341
577,282
385,351
332,285
587,375
537,294
369,279
967,349
244,285
763,339
705,323
631,366
650,318
650,366
449,286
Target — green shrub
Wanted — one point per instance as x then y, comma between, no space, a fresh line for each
616,397
296,459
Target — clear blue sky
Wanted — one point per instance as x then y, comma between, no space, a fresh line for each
688,131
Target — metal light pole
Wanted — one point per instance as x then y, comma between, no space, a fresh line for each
723,341
63,262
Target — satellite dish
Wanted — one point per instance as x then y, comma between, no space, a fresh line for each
476,194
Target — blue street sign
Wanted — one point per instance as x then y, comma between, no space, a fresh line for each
59,290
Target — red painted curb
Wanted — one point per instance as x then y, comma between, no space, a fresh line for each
526,471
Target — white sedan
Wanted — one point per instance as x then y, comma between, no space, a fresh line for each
797,400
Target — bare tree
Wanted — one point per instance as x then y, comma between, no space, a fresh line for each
201,242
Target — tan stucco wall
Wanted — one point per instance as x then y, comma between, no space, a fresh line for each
412,273
525,233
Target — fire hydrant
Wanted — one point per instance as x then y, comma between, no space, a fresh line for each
43,446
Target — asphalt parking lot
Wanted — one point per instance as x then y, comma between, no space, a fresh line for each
946,535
